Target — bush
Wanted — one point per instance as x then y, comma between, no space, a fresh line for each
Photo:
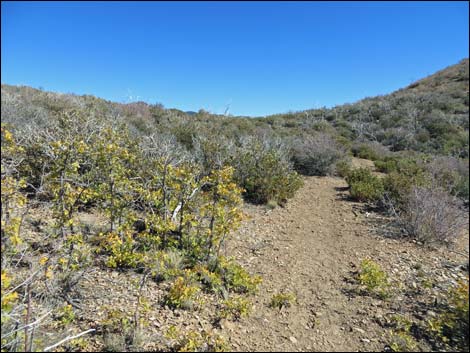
236,308
195,341
399,183
262,168
167,265
451,326
452,174
182,294
364,186
237,278
316,155
373,151
431,215
282,300
373,278
343,168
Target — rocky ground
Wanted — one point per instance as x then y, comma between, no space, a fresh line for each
311,248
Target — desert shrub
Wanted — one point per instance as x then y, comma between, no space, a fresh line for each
263,169
402,342
373,278
211,280
432,215
364,186
401,338
48,278
212,152
195,341
452,174
166,265
373,151
398,183
451,326
14,202
282,300
183,293
343,168
386,165
236,278
316,155
235,308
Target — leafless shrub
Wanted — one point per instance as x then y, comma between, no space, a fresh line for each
433,216
164,147
451,174
212,152
316,155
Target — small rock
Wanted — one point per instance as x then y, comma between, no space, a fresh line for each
365,340
293,339
358,330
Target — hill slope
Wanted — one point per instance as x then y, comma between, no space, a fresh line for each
430,115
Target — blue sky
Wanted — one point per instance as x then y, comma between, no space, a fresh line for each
258,58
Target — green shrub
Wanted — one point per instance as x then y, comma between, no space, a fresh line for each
364,186
182,294
451,326
237,278
282,300
194,341
343,168
402,342
167,265
211,280
264,171
399,183
373,278
372,151
387,165
236,308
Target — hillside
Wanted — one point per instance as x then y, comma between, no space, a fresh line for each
133,227
430,115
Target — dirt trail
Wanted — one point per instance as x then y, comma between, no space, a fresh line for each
309,248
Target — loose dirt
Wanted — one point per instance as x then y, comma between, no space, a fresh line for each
311,248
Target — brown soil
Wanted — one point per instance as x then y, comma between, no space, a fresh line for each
310,248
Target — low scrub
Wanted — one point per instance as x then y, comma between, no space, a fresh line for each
236,308
364,186
451,326
263,170
372,151
282,300
316,155
431,215
373,278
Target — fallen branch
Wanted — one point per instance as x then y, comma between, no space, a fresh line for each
68,338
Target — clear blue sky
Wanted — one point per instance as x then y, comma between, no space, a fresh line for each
259,57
